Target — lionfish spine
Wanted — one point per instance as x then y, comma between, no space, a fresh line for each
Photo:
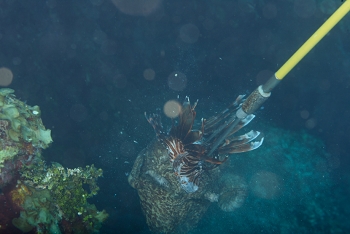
158,178
175,148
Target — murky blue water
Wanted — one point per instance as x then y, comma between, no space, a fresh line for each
94,67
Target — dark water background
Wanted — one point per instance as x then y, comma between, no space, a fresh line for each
95,66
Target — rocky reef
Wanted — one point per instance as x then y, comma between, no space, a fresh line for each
167,207
36,198
22,135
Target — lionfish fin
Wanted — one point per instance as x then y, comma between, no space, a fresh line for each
234,141
156,121
242,148
186,120
193,151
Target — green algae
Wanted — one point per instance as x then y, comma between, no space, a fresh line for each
69,189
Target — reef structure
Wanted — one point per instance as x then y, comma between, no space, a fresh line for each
22,135
34,197
56,201
177,175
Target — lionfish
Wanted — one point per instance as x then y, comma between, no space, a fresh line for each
192,152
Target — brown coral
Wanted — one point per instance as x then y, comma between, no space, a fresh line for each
28,148
19,194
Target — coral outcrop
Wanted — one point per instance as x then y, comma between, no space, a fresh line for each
37,198
22,135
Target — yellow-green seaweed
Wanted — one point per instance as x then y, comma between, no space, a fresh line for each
66,188
24,120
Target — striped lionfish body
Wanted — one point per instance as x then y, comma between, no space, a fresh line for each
189,149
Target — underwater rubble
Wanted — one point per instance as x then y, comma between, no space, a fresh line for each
35,197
